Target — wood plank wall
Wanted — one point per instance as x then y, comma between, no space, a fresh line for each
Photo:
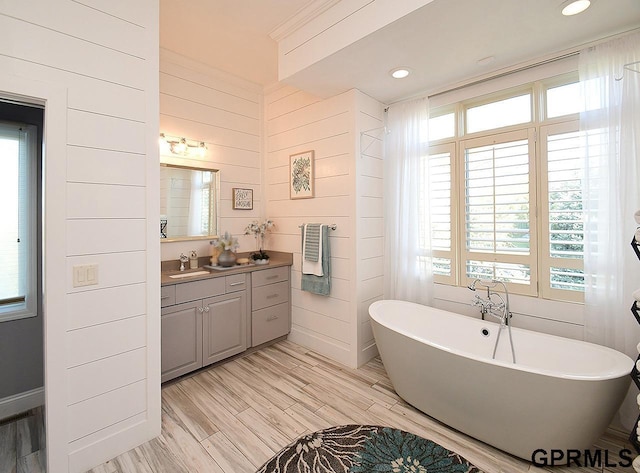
203,104
296,121
104,54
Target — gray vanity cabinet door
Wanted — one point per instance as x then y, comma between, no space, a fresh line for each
224,326
181,327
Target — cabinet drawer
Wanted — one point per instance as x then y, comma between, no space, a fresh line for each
167,295
269,323
269,276
237,282
194,290
272,294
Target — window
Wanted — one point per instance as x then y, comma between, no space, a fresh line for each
18,232
437,169
498,220
505,197
562,266
499,113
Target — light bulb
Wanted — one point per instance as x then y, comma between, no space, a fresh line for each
574,7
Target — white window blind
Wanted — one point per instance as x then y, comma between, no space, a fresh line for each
498,219
18,239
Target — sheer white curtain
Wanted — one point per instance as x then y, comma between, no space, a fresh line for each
611,123
408,274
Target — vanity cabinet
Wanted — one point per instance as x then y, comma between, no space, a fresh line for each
207,323
217,316
270,306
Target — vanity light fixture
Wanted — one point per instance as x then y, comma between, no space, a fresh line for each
180,146
399,72
573,7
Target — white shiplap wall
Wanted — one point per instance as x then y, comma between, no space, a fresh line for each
200,103
294,122
370,233
94,63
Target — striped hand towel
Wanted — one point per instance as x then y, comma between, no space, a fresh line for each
312,242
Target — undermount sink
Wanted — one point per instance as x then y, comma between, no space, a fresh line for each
189,275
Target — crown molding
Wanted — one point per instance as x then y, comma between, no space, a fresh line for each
303,16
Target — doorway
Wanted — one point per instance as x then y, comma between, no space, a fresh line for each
21,303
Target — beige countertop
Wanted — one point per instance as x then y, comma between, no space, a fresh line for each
169,268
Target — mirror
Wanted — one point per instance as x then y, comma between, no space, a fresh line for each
188,202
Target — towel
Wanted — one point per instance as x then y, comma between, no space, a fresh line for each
319,284
638,236
310,266
312,242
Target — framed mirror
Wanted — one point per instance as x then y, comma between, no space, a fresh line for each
189,199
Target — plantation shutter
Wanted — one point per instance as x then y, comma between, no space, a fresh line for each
562,250
439,165
498,212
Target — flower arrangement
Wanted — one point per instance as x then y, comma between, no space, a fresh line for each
226,242
259,231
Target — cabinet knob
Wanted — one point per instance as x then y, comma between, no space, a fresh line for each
272,296
272,317
206,309
200,309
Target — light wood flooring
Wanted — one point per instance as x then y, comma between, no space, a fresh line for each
233,417
22,443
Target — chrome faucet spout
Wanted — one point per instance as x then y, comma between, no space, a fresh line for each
495,305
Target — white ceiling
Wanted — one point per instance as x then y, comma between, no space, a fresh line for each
441,42
230,35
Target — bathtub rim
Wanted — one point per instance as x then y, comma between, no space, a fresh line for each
616,373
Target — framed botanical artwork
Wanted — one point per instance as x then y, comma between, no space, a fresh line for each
301,177
242,199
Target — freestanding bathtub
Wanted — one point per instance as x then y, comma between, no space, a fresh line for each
560,394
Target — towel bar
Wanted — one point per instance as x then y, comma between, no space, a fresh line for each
333,226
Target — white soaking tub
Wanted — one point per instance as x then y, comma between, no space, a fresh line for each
561,393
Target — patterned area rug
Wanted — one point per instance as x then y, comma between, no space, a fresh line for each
366,448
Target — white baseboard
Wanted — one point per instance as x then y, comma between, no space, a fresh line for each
22,402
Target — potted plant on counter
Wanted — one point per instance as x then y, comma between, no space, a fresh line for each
227,244
259,231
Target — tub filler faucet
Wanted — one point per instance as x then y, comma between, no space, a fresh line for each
495,305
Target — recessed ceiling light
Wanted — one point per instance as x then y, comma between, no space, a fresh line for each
399,73
573,7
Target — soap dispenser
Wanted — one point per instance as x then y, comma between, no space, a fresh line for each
193,260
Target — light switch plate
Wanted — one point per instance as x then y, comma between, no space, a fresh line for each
85,275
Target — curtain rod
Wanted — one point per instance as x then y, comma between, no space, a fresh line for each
570,52
507,73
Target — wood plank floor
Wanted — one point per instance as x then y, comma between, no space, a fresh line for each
22,443
233,417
